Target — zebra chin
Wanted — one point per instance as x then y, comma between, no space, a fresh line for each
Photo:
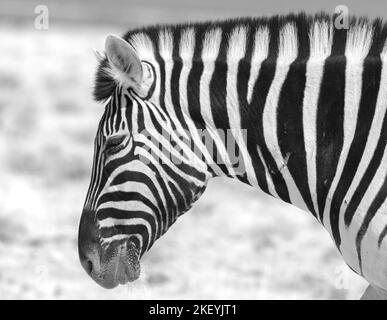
108,264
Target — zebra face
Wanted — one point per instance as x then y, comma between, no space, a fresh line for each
136,191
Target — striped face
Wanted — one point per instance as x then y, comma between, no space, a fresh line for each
141,180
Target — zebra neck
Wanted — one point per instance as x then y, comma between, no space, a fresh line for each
234,105
221,113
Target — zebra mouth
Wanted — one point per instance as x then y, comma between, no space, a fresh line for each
124,266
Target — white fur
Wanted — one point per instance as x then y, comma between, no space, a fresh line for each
165,44
211,46
260,52
166,50
320,36
288,44
359,40
236,51
270,183
237,44
143,45
187,44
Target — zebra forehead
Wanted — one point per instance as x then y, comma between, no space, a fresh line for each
193,40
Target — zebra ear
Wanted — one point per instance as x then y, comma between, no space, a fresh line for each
125,64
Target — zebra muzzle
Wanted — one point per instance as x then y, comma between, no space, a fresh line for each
108,264
119,264
125,264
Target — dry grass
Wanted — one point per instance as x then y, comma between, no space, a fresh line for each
235,242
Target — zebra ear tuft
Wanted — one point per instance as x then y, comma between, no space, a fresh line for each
125,64
99,55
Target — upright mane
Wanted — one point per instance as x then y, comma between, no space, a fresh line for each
363,34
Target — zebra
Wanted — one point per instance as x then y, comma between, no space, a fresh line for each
305,103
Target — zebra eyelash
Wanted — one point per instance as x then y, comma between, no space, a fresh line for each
115,144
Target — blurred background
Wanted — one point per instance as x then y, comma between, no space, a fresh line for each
236,243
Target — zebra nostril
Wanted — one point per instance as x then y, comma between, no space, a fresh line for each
89,266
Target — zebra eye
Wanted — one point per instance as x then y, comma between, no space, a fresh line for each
114,144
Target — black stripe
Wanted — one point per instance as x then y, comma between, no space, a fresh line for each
182,203
218,97
131,196
246,111
290,119
375,206
129,110
193,81
218,84
368,175
129,230
154,35
108,168
135,176
330,117
382,236
118,214
174,208
260,92
98,167
175,79
118,120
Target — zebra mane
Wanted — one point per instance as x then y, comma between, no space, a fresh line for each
309,35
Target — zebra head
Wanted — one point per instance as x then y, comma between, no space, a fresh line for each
137,190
